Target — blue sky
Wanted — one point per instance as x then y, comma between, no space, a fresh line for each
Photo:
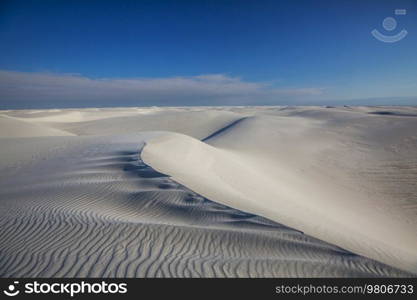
116,53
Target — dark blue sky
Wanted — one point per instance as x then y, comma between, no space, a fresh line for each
262,52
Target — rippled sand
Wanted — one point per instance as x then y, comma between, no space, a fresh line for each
209,192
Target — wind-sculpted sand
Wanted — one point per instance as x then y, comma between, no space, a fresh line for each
209,192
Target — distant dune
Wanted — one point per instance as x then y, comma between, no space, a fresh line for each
209,192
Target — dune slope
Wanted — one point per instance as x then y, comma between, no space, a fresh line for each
276,168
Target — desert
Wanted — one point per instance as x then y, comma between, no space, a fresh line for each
222,191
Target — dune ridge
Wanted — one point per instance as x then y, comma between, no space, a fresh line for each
237,178
224,178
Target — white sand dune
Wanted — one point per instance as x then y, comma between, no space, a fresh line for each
13,127
198,123
130,199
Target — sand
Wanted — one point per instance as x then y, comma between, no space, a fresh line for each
209,192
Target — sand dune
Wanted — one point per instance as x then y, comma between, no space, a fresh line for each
229,192
198,123
13,127
280,189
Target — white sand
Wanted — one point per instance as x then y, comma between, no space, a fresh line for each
76,199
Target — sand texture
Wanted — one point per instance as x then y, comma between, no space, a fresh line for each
209,192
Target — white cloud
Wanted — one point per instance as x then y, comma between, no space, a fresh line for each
75,90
